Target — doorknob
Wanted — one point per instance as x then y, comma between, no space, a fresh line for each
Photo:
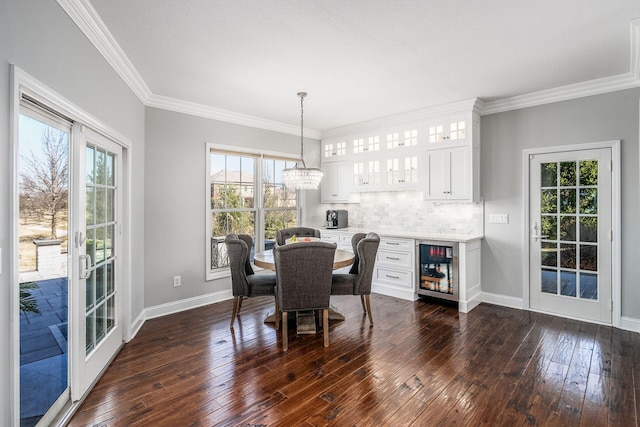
535,234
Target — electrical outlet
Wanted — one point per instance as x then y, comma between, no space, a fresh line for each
176,281
499,218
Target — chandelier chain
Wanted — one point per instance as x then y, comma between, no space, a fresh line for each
302,95
300,177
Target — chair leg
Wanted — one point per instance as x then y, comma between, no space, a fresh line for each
364,307
234,311
285,337
277,315
239,304
367,300
325,326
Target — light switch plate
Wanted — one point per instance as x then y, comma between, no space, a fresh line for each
499,218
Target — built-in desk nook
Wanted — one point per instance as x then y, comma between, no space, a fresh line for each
412,264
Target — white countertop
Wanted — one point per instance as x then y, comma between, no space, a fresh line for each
418,235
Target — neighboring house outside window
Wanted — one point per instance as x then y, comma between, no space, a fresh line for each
245,195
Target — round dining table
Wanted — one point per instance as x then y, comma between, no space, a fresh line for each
265,260
305,319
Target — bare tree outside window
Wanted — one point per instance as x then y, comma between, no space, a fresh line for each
44,180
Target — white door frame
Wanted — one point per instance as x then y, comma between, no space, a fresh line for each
23,83
616,220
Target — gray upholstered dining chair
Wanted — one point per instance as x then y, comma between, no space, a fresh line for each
358,281
244,282
355,239
303,272
287,233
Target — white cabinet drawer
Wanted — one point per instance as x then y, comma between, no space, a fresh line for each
330,237
397,244
402,279
345,239
396,259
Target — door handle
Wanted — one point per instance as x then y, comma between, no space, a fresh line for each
535,234
85,267
80,239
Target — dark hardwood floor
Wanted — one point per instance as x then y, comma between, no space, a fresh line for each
422,364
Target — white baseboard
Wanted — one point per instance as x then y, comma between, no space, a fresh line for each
474,298
406,294
626,323
186,304
470,304
136,325
503,300
630,324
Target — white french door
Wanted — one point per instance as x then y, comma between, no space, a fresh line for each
570,234
98,332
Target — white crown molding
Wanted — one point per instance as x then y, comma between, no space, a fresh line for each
412,116
90,23
578,90
200,110
564,93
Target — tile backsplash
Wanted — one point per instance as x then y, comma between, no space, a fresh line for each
408,211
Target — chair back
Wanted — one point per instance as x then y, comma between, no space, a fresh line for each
354,244
367,250
303,274
249,241
238,254
287,233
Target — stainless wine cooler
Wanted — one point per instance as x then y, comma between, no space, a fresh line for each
437,269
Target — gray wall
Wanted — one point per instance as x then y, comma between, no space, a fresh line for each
175,202
38,37
504,136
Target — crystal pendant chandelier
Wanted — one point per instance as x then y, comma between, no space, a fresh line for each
302,177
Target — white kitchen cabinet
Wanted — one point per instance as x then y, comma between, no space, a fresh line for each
449,174
403,136
366,143
403,172
438,152
394,271
334,149
336,182
447,130
366,174
470,290
396,265
330,236
452,173
342,240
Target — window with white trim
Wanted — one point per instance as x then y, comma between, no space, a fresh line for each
245,195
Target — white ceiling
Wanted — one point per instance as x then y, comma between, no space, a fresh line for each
364,59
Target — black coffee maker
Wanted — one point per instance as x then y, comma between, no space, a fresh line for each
337,219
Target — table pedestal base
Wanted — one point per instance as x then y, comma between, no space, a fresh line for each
306,320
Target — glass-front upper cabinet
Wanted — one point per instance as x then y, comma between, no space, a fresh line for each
403,172
454,129
366,143
366,175
403,136
334,149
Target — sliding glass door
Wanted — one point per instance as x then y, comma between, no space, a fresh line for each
43,224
